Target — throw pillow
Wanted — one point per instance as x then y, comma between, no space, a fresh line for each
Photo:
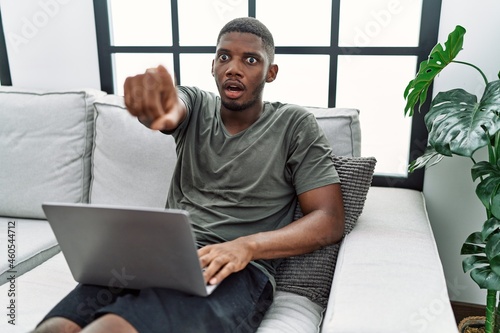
131,164
311,274
45,148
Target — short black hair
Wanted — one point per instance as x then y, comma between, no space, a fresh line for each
253,26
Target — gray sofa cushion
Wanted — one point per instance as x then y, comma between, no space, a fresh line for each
342,128
311,274
131,164
45,146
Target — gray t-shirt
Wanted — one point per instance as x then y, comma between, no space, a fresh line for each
235,185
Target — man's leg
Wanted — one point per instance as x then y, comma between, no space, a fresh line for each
58,325
78,308
110,323
236,306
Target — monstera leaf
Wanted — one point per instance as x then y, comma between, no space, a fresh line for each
439,58
429,155
491,226
492,251
478,262
459,125
488,189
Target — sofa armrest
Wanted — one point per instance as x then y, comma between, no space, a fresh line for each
388,276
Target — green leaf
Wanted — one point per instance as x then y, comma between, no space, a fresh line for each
439,58
429,155
495,205
495,264
480,266
492,153
483,169
495,154
487,191
489,227
475,238
485,278
474,262
492,248
473,244
457,124
471,249
493,253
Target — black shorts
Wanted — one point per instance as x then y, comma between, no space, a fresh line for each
238,304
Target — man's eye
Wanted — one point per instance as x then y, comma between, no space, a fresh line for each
252,60
223,57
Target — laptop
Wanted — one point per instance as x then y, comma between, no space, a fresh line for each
128,247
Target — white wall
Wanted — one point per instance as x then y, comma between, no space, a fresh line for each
454,210
51,44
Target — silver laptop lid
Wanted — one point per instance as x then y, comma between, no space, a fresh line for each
128,247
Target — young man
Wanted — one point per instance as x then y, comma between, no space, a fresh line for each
242,166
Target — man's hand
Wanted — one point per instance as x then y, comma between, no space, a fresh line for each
152,97
221,260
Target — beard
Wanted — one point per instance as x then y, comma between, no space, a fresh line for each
236,106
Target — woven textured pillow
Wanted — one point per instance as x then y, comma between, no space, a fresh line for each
311,274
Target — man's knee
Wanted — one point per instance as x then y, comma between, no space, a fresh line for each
110,323
57,325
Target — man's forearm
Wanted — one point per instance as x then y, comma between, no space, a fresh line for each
312,232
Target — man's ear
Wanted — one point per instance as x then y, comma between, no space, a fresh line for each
272,72
213,62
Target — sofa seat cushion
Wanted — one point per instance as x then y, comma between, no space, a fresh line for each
45,147
388,271
27,242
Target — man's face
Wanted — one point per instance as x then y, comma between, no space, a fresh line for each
241,68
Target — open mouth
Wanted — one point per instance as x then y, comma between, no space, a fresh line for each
233,90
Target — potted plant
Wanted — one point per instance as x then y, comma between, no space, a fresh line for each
459,124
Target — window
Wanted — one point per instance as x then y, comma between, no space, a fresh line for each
356,53
4,61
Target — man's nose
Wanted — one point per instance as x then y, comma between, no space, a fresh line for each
234,69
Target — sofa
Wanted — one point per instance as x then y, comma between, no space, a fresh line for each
83,146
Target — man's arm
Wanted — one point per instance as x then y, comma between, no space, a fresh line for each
322,224
152,98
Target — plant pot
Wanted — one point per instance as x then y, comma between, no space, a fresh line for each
473,324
